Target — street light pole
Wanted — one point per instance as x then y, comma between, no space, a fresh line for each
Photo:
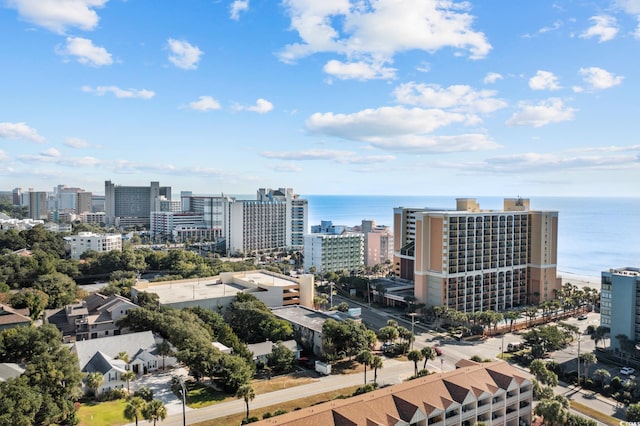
502,348
579,339
183,391
413,336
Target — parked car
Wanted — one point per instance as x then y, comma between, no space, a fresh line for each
438,350
627,371
582,317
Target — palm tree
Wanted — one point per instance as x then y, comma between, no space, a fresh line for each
429,354
154,410
601,375
364,358
531,312
164,350
376,363
552,411
133,409
415,356
588,359
123,356
127,376
247,393
94,381
511,316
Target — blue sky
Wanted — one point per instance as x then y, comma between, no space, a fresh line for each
412,97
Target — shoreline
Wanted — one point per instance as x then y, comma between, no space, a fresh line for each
580,280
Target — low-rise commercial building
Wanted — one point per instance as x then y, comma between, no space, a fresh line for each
101,243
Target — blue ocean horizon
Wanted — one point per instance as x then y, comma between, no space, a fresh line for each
594,233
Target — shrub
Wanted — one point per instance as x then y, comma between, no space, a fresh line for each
616,383
251,419
267,415
113,395
364,389
280,412
144,393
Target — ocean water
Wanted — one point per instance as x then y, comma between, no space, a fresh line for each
594,234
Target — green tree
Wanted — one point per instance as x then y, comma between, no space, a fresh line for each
364,358
415,356
429,354
376,364
94,381
588,359
281,358
154,411
19,402
133,409
539,369
128,376
552,411
388,334
633,413
247,393
60,288
234,372
31,298
164,349
600,375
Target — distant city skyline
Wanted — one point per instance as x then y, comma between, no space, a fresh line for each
413,97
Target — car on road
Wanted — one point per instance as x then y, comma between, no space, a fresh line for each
438,350
627,371
582,317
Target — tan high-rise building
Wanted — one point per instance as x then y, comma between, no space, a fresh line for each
471,259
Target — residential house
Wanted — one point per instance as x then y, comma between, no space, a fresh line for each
261,351
10,317
94,317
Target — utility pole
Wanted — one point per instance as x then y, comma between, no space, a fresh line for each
183,391
579,339
413,337
502,348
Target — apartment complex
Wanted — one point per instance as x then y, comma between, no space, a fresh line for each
334,253
37,205
620,303
277,219
378,243
132,205
471,259
491,393
101,243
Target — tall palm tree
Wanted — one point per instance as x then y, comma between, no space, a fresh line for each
415,356
154,410
133,409
588,359
164,350
127,376
247,393
364,358
429,354
376,363
123,356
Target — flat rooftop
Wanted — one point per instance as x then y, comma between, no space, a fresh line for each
185,290
307,318
264,279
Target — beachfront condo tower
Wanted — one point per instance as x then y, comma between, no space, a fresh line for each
470,259
620,305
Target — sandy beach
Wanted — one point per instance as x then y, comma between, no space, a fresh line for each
580,280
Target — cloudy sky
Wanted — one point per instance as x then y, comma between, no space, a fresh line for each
411,97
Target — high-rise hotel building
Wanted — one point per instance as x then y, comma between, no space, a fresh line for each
471,259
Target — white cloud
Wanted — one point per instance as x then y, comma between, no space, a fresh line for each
456,97
599,78
51,152
262,106
545,112
604,27
76,143
3,156
19,131
631,7
358,70
288,168
86,52
57,15
492,77
205,103
373,32
399,129
120,93
544,80
183,54
343,157
238,6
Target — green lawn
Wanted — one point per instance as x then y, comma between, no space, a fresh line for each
199,395
102,413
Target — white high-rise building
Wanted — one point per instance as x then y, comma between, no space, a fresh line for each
333,252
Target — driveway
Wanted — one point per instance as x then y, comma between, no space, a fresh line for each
160,384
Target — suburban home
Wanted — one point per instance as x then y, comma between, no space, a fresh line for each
92,318
99,355
222,348
10,317
262,350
